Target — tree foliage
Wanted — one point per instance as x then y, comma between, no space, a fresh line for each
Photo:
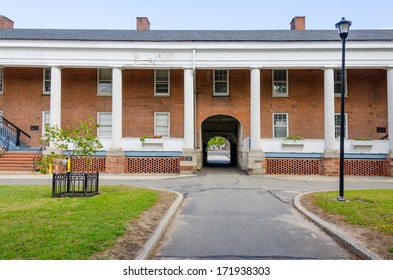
216,141
81,141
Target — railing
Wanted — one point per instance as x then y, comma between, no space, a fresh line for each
38,156
10,133
75,184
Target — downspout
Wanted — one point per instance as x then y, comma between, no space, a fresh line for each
194,83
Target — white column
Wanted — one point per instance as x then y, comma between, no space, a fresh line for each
329,110
255,114
55,97
188,109
390,109
117,110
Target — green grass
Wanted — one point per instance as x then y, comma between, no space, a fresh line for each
36,226
372,209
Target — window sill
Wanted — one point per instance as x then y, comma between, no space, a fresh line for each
280,95
162,95
101,94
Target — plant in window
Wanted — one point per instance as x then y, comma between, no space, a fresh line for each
142,139
294,138
361,139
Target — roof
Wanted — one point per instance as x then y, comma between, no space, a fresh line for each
193,35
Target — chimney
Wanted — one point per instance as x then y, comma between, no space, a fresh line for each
298,23
142,23
6,23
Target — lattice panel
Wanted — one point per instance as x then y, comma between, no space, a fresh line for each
365,167
153,165
294,166
98,164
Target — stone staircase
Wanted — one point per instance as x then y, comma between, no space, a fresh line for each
17,161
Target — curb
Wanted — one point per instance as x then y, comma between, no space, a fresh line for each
152,243
352,244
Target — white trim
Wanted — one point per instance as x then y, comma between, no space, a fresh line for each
168,82
273,126
44,80
278,94
43,122
1,80
169,124
346,125
222,81
98,83
98,122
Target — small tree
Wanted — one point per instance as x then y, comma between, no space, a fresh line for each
81,141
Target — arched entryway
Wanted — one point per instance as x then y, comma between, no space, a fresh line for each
222,126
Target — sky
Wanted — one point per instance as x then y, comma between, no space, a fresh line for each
197,14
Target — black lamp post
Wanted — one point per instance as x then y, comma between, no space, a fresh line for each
343,29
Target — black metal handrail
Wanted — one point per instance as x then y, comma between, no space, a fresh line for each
10,132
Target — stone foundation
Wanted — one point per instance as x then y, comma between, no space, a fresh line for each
256,162
115,163
189,162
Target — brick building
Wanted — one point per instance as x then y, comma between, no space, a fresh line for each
255,88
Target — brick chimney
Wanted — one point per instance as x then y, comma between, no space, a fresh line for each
142,23
6,23
298,23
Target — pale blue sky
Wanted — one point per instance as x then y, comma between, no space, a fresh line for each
197,14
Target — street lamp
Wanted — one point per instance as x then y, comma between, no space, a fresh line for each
343,29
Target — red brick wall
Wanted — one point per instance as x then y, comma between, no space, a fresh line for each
22,101
139,103
304,103
237,104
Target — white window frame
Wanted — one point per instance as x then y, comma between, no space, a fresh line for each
338,94
220,81
274,126
167,82
337,128
46,80
1,80
274,81
169,124
45,115
99,134
99,92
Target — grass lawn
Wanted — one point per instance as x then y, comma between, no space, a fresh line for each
372,209
36,226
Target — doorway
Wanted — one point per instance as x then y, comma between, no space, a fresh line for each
221,134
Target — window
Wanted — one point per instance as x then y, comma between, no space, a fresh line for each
161,124
1,80
161,82
337,123
105,122
45,120
280,83
47,80
280,125
104,82
338,83
221,83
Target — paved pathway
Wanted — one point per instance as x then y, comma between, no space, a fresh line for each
227,214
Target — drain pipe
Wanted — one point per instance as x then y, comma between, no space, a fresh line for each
194,82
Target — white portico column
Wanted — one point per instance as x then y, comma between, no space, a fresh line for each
55,97
390,110
117,111
255,114
329,110
115,159
188,160
188,109
256,157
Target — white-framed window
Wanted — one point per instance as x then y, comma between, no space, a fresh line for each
221,85
1,80
45,120
104,119
162,122
280,83
46,80
104,85
280,125
337,123
161,82
338,83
